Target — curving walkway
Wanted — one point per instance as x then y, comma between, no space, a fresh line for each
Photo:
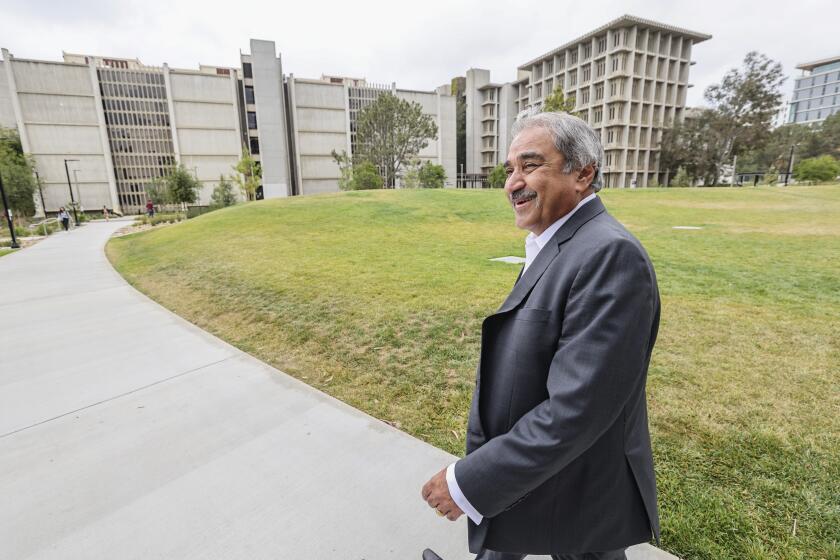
126,432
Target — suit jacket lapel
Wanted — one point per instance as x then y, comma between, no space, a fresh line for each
546,256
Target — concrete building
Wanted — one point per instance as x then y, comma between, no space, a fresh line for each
121,124
816,94
111,126
628,79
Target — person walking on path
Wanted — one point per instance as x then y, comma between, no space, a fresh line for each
150,208
105,214
558,456
65,218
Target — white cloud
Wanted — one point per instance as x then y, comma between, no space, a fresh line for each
419,45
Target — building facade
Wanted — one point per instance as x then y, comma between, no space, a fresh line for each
118,125
816,93
628,79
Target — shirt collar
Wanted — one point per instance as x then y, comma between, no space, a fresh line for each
543,238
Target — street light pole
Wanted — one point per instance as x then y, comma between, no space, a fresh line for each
8,213
69,186
790,164
78,189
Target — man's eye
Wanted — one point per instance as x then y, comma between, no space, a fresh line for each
508,171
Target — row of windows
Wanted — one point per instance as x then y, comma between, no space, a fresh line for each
132,91
140,161
817,103
141,147
819,114
816,92
817,80
142,106
136,119
131,77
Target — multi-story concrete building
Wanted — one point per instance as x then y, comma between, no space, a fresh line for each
627,78
816,94
109,126
120,124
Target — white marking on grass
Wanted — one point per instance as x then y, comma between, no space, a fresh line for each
511,260
687,227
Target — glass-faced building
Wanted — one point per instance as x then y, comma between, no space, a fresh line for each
816,95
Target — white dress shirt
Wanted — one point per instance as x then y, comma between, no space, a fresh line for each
533,246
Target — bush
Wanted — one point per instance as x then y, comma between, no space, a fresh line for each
432,176
497,177
681,179
818,169
160,219
365,177
223,194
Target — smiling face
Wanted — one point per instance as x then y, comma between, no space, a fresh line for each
538,189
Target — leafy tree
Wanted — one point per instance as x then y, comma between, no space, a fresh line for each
745,103
390,132
158,191
223,194
558,102
345,167
497,177
458,86
366,177
17,172
432,176
829,133
696,146
248,175
182,187
681,179
818,170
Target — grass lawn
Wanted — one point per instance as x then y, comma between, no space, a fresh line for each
377,298
6,251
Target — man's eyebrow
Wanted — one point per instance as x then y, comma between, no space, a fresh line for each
530,155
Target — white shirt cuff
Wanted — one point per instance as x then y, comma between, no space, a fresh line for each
458,496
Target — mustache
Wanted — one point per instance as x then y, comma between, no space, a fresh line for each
522,193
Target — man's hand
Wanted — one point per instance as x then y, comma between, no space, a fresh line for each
436,494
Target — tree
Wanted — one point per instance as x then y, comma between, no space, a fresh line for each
558,102
745,103
694,145
366,177
390,132
411,176
681,179
223,194
248,175
17,172
497,177
158,191
432,176
818,170
182,187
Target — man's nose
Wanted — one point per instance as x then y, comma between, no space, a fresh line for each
513,182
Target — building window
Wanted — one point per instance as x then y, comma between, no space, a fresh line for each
599,91
587,51
573,57
252,120
573,78
246,70
602,44
249,95
549,67
584,96
255,145
597,115
538,91
587,73
600,68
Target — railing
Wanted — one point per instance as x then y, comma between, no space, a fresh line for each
43,224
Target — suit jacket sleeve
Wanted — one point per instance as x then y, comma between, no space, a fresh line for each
601,359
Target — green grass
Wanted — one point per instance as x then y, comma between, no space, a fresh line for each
6,251
377,299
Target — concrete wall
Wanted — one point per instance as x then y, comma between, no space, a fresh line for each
271,118
59,120
206,122
320,126
7,113
476,78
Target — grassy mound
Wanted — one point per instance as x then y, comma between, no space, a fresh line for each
377,298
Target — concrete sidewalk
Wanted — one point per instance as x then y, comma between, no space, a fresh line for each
126,432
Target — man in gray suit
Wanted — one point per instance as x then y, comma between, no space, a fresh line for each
558,450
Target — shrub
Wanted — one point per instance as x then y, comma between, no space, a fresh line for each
817,169
432,176
497,177
365,177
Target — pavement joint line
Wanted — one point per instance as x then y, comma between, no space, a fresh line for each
69,294
115,397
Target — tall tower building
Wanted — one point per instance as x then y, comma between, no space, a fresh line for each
628,79
816,94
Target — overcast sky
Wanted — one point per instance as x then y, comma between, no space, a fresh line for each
418,45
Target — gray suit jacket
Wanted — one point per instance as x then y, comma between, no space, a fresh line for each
558,450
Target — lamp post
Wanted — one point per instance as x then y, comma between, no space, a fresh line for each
790,164
78,189
8,212
69,186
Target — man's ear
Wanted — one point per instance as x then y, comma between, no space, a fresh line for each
585,177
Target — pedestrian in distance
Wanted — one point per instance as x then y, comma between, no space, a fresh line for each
65,218
105,214
559,458
150,208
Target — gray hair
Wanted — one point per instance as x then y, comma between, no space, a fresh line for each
573,137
